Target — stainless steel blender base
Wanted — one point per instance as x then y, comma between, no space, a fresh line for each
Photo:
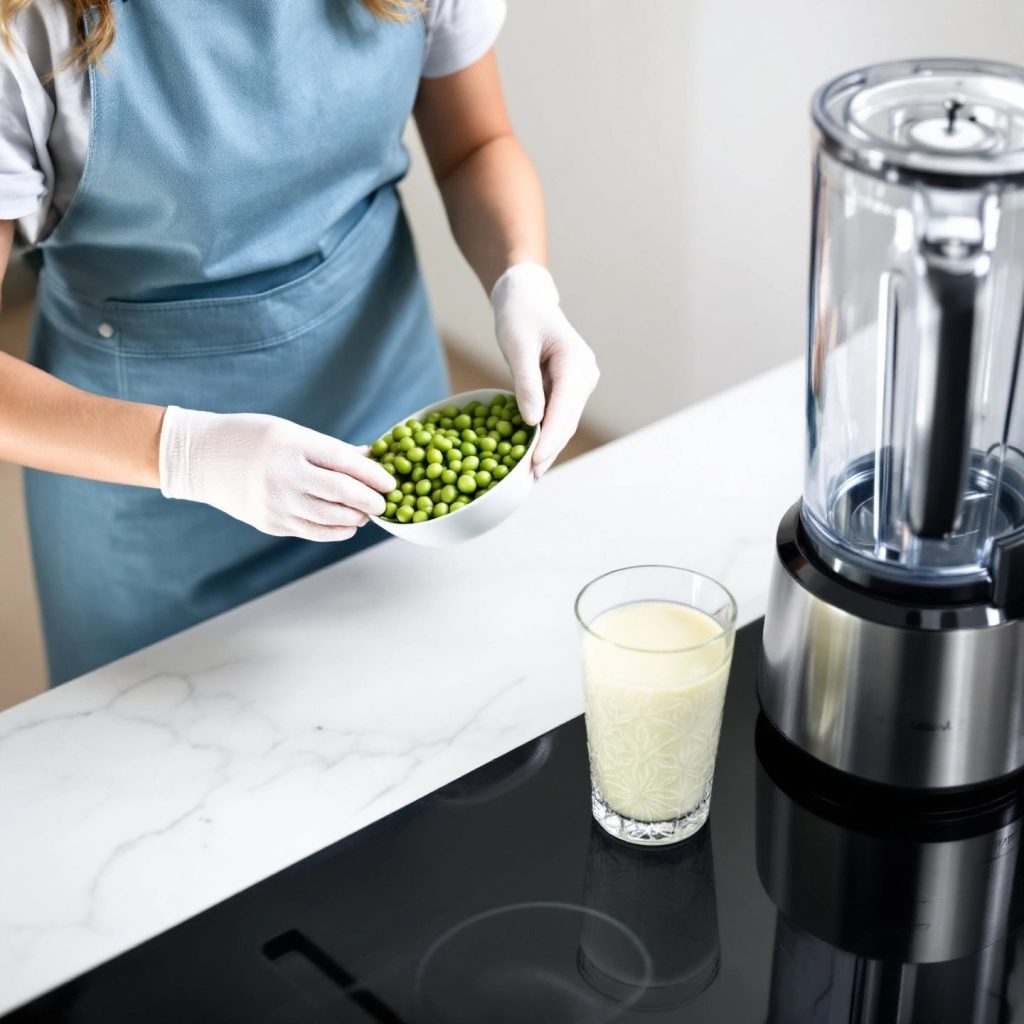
909,696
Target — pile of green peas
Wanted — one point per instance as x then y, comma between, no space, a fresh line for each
451,457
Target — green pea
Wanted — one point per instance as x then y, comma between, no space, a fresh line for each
448,494
469,435
379,447
487,444
442,444
503,448
450,412
499,472
470,463
434,470
414,425
466,484
440,509
518,451
517,420
456,505
400,433
505,428
424,503
389,466
407,487
489,464
434,456
404,514
462,421
423,487
453,434
453,454
433,417
417,473
416,454
403,465
445,422
508,461
468,448
435,495
422,437
390,509
519,437
483,478
449,476
420,516
408,499
456,466
406,444
491,421
395,495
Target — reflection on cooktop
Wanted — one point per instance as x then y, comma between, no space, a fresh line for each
666,898
498,777
891,907
522,963
497,900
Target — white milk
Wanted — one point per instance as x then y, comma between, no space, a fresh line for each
653,718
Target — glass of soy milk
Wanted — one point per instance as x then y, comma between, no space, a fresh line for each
657,646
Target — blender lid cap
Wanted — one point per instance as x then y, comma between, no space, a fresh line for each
961,121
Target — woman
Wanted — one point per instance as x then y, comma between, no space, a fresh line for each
228,287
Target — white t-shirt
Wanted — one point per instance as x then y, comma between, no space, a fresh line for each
44,128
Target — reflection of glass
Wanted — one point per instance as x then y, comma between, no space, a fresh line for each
668,902
657,645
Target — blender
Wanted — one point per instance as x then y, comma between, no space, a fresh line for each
894,632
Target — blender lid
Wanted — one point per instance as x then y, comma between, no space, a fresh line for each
954,120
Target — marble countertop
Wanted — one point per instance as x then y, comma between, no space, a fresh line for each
143,793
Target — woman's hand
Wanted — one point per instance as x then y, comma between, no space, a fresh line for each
496,211
553,369
284,479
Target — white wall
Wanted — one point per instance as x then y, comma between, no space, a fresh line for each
674,142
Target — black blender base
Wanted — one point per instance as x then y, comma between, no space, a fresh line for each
850,798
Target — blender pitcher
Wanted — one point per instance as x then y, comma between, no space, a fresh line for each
893,642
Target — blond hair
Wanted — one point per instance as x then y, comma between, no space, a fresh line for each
92,44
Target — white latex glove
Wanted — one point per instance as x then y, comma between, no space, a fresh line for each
553,369
284,479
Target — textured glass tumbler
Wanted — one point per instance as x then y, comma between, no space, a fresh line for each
657,646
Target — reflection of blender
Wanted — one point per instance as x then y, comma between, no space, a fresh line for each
667,900
888,914
894,634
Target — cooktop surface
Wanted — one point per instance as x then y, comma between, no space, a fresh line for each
496,900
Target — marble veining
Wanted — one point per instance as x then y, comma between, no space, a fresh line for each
143,793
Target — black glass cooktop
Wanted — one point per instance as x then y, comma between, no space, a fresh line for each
496,900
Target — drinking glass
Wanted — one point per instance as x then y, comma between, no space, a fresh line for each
657,645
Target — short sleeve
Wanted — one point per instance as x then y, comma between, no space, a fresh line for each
22,180
459,33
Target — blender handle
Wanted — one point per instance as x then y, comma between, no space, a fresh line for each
938,455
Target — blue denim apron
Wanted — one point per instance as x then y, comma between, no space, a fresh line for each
236,244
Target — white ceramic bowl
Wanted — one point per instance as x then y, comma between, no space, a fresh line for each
485,512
